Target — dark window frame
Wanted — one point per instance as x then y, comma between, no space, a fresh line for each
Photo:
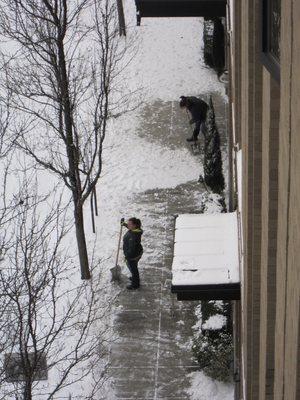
268,59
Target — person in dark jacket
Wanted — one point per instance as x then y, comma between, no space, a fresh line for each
198,110
133,249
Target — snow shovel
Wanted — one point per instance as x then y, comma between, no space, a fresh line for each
116,270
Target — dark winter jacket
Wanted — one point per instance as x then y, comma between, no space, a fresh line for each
132,244
197,107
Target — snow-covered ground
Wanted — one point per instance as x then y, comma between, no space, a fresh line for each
168,64
204,388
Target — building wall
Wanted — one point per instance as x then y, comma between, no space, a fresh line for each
270,138
288,243
267,129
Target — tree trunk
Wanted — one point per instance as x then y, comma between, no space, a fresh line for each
81,242
73,161
122,26
27,391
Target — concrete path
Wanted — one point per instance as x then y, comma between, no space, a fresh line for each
151,357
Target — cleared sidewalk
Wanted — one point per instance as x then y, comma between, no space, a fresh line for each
152,357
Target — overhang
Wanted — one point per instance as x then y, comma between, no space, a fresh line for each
180,8
206,257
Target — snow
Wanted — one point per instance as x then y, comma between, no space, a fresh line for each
210,203
169,61
239,178
239,166
215,322
206,249
205,388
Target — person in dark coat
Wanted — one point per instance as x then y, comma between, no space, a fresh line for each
198,110
133,249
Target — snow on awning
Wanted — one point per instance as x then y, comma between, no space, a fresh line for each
206,259
180,8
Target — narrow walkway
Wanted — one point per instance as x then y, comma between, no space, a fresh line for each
152,357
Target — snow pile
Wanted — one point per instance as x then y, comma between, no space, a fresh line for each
215,322
212,203
205,388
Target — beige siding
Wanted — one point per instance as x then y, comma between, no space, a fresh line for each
268,116
265,233
271,107
251,122
287,312
246,141
291,362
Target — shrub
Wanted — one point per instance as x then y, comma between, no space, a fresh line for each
212,203
218,48
213,168
208,31
214,353
213,342
214,44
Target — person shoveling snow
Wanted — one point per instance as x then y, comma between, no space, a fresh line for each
198,110
133,249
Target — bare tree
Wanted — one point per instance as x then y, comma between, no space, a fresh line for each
12,196
6,141
47,320
64,77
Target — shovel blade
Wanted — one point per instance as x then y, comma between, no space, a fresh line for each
116,273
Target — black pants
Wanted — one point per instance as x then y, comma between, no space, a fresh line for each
199,126
133,268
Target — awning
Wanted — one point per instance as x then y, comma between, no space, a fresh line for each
206,257
180,8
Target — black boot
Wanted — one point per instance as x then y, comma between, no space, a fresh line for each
192,139
131,287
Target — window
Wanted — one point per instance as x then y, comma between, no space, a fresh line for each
271,36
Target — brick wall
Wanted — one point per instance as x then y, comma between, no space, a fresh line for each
267,123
